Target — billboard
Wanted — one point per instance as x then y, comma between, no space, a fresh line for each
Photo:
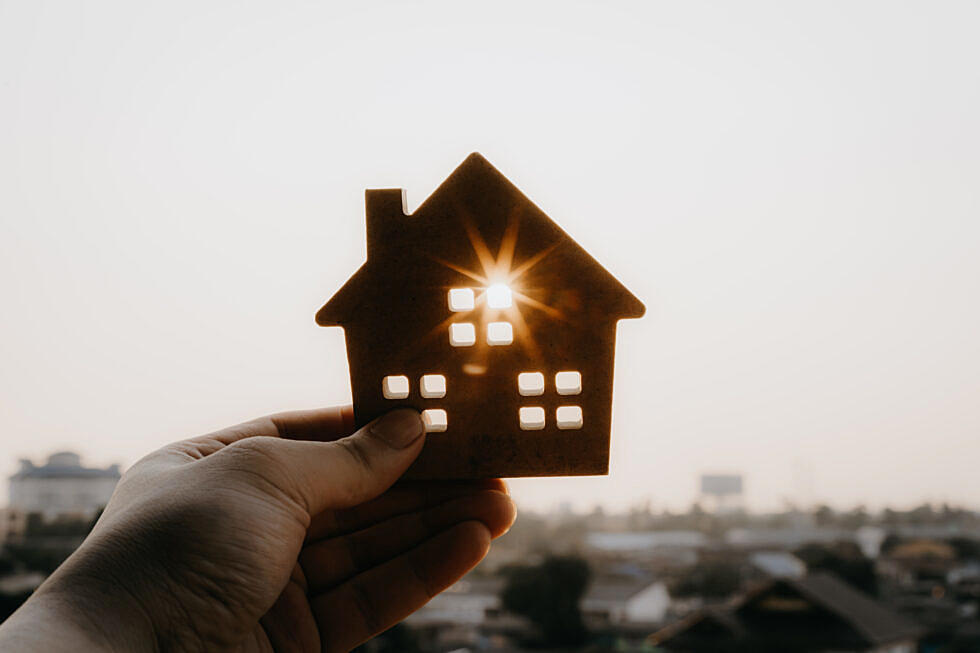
721,485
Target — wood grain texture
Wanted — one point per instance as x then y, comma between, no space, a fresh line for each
475,230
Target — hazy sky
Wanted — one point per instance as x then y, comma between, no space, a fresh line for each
792,188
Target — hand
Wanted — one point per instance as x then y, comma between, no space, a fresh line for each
278,534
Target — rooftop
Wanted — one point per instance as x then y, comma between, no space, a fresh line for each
64,464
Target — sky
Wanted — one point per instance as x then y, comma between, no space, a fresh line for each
790,187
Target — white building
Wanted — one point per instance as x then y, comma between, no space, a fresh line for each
624,600
61,488
618,600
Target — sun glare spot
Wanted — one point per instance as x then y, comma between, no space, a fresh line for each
499,296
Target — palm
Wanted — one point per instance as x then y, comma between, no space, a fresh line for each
362,570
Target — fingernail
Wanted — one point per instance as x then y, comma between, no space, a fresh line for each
398,428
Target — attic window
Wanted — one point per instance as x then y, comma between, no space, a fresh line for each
532,418
462,334
499,296
433,386
569,417
500,333
568,383
461,299
435,420
530,384
395,387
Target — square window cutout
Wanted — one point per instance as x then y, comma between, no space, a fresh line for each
433,386
461,299
569,417
462,334
395,387
530,384
435,420
532,418
500,333
568,383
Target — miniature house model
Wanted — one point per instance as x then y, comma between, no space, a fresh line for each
481,313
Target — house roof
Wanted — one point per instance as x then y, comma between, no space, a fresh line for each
475,204
64,464
778,564
878,624
617,589
874,623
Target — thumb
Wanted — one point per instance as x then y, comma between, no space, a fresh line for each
344,472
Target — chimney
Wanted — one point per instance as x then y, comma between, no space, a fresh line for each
385,209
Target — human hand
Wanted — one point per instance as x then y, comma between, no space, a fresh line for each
278,534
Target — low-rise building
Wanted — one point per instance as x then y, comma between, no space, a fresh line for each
60,488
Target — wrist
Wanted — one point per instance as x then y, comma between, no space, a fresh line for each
87,604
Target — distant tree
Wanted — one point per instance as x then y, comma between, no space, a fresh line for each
855,518
713,580
397,639
967,549
890,542
890,517
824,516
923,514
7,563
843,559
10,602
548,594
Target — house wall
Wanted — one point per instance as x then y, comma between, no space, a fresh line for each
648,605
483,438
456,609
477,230
58,496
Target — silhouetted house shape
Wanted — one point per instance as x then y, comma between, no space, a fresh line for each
816,613
482,313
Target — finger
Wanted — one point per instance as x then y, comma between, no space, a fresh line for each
404,497
322,424
289,624
377,599
323,475
330,562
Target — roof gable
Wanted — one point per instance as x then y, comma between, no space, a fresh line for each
480,228
877,623
870,620
788,612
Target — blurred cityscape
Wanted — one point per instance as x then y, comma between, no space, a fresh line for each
715,577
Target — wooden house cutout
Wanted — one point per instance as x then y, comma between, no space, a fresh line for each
480,312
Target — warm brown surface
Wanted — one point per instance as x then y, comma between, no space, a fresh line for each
475,230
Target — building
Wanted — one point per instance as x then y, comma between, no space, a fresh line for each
60,488
622,600
480,312
818,613
617,600
777,564
675,548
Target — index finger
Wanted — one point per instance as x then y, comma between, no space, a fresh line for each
320,424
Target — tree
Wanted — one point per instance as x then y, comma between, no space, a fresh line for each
397,639
548,594
711,580
843,559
